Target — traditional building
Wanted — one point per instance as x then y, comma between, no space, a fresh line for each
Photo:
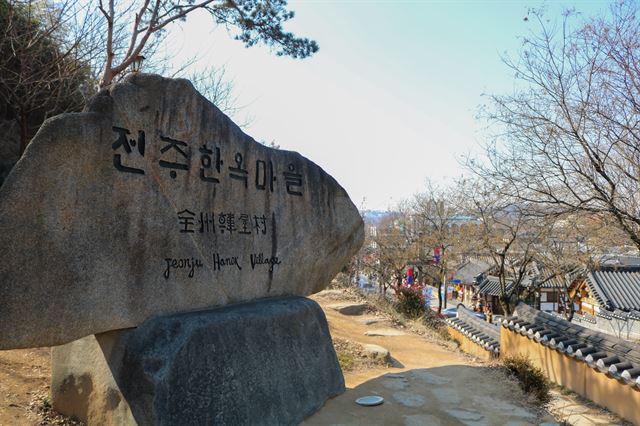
466,279
489,291
546,297
608,299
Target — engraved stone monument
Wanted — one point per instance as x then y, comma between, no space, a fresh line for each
152,209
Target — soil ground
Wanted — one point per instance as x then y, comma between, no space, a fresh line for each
428,382
433,383
24,383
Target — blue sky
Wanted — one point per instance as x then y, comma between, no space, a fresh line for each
390,99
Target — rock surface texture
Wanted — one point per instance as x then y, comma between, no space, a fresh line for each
260,363
153,202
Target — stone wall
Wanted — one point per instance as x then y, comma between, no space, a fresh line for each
475,335
602,368
471,347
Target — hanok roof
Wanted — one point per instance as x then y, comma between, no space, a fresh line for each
468,271
616,288
491,286
555,282
620,261
541,273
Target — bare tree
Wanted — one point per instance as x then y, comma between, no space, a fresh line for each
395,247
573,245
568,139
436,210
214,84
508,237
43,61
256,22
52,54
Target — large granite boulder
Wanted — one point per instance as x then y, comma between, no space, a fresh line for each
269,362
152,202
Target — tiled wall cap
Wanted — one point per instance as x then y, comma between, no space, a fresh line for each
518,322
478,332
604,363
571,349
583,352
526,325
546,339
524,328
535,329
592,358
540,334
557,340
631,375
564,344
617,369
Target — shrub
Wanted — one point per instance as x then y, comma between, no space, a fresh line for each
410,301
346,361
531,378
340,281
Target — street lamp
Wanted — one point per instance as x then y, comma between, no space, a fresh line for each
137,63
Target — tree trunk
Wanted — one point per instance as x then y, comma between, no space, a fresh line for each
568,304
506,305
439,296
107,77
569,310
398,285
569,314
443,282
24,128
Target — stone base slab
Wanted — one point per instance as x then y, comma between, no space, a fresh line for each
266,362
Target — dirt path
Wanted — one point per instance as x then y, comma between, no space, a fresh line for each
430,385
24,380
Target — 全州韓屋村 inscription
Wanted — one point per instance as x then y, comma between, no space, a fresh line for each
221,223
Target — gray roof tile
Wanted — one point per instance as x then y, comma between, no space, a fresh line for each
616,289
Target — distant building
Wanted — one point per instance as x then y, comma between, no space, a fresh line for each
466,279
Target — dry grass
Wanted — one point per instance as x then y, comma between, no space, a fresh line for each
428,326
40,405
531,378
351,356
